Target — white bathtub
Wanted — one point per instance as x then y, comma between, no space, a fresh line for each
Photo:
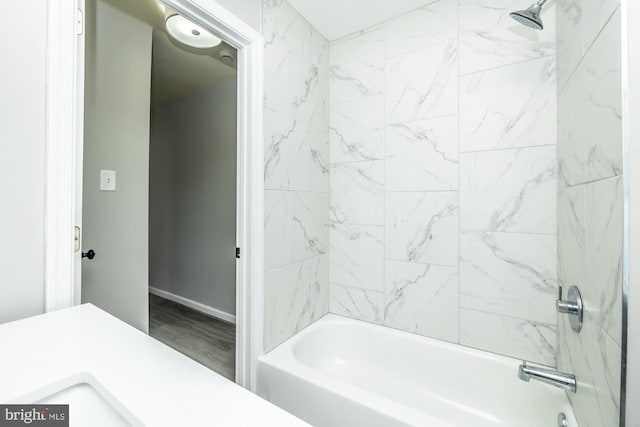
342,372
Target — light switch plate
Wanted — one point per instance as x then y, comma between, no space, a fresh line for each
107,180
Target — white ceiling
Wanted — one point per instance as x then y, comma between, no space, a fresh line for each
337,18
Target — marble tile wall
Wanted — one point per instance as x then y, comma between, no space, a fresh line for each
443,170
296,177
590,204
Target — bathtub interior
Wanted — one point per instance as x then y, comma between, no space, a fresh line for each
461,385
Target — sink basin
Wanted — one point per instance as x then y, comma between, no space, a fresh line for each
87,407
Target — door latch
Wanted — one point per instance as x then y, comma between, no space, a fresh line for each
91,254
76,239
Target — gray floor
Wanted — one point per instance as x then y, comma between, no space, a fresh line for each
205,339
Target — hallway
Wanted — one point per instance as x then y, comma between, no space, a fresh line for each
207,340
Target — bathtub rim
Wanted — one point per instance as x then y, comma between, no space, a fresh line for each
283,360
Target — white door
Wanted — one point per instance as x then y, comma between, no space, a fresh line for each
116,148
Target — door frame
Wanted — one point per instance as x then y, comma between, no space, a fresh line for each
630,384
64,141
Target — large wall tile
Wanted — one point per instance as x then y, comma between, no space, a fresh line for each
357,66
589,146
422,227
568,39
294,297
310,229
595,14
422,84
296,226
422,155
509,274
357,256
296,66
356,303
595,359
400,117
567,122
357,193
434,23
579,23
278,229
509,190
524,339
356,130
296,175
422,299
489,38
571,237
602,290
512,106
296,155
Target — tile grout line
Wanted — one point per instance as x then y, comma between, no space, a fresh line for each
421,263
383,315
373,27
591,182
585,52
330,168
524,147
510,64
336,283
459,172
490,313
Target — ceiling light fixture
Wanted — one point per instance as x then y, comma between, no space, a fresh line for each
190,34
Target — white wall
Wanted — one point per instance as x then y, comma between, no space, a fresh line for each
22,144
250,11
115,224
22,108
193,197
443,177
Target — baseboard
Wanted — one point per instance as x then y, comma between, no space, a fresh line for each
202,308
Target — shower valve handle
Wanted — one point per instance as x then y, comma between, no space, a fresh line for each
572,307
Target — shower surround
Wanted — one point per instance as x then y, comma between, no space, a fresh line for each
410,176
443,177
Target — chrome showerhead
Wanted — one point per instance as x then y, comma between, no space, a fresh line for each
530,16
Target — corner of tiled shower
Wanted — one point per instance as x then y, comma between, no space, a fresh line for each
296,139
424,174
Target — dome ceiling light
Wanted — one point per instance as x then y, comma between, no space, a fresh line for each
190,34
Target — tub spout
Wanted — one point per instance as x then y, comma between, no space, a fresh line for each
549,376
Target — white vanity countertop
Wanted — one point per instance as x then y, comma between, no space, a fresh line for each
138,375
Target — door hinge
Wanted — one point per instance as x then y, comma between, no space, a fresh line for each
76,239
79,22
237,252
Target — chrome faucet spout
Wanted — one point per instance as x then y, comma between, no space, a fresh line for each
548,376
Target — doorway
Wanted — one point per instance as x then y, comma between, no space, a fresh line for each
65,112
192,201
159,178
